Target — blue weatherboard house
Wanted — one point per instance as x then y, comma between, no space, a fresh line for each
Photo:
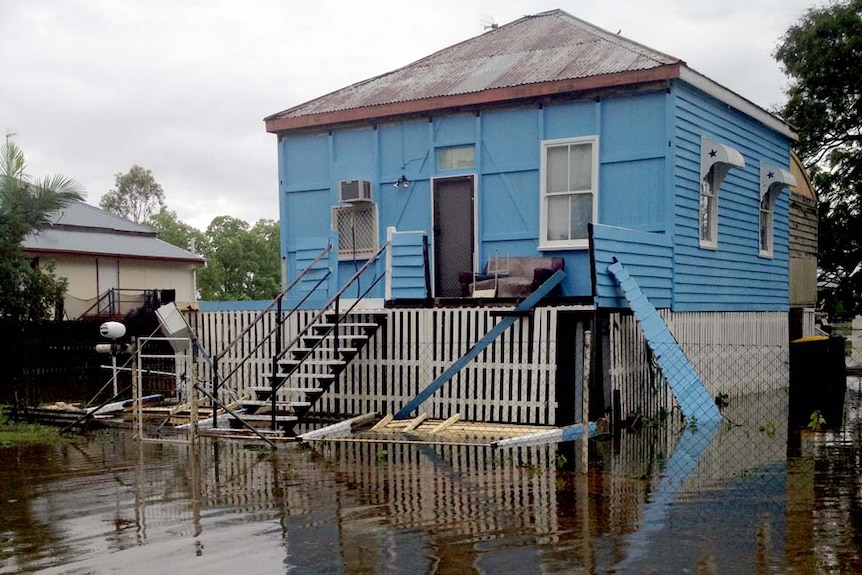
551,159
512,142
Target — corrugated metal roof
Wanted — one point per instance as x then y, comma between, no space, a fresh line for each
85,215
108,244
547,47
83,229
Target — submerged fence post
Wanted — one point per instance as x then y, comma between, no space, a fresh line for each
585,401
137,391
192,394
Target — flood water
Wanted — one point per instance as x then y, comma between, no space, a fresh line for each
109,504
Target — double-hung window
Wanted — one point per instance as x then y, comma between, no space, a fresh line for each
767,203
709,209
772,181
569,187
716,159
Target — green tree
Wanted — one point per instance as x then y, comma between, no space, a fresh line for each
242,261
137,196
266,240
176,232
26,205
821,55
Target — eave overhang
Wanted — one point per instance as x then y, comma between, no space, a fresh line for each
65,253
277,124
736,101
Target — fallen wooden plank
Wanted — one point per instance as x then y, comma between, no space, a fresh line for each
185,406
121,405
446,424
342,427
382,423
416,422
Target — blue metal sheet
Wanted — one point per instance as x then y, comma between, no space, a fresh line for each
687,388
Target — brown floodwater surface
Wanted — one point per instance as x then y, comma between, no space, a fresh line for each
109,504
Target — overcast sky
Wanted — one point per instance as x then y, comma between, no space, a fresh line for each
91,87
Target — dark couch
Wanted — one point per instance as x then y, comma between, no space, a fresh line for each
510,276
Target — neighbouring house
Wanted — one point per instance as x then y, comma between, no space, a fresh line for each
803,252
113,265
455,186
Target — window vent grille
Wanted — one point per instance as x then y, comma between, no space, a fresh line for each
356,225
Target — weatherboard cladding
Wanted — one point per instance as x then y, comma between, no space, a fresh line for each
408,265
649,146
547,47
648,257
733,277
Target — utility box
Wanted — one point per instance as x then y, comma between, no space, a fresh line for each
818,381
174,325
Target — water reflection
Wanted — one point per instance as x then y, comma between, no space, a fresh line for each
824,497
109,504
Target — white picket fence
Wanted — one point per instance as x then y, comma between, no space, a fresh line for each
515,379
512,381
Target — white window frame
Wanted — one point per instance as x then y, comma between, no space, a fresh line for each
716,159
772,181
577,243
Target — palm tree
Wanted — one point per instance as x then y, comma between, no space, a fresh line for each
26,206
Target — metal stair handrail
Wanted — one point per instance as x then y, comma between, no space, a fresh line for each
275,301
335,304
222,379
218,380
281,319
277,381
326,307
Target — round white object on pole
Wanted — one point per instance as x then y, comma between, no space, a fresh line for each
112,329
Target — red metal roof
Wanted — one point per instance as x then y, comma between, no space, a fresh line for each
545,54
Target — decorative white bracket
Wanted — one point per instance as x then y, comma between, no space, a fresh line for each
772,176
712,153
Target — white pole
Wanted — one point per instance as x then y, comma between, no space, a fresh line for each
390,233
114,371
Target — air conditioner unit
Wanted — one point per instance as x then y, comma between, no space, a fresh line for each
354,191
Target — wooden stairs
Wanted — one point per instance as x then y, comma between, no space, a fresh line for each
307,370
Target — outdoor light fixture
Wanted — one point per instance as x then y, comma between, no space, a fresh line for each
401,182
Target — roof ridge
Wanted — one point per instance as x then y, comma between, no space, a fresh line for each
630,44
415,63
104,214
563,33
604,34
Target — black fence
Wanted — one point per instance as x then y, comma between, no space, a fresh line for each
48,362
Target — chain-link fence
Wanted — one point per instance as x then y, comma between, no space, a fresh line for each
852,334
727,385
